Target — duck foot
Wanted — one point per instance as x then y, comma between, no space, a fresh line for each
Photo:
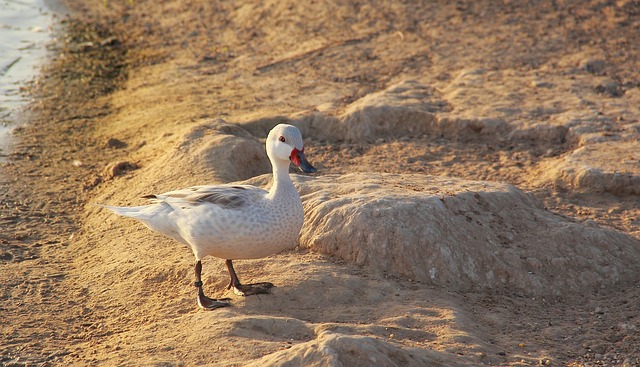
207,303
245,289
251,289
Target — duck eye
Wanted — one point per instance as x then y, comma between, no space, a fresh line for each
282,139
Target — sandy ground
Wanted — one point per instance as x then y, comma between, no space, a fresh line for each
541,95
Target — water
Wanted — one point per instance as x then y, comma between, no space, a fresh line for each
25,31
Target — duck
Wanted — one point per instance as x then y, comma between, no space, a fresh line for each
233,222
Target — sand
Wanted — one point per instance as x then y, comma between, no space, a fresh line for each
476,201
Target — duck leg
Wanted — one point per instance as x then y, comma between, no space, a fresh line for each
246,289
204,301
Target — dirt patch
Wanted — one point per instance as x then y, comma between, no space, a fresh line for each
522,93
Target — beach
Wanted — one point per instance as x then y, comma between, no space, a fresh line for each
476,201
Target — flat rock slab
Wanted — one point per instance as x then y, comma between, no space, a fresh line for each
465,235
591,169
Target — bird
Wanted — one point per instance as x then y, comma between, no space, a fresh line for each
230,221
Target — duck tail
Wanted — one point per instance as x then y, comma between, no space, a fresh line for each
137,212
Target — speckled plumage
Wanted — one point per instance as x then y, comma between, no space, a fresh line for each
232,221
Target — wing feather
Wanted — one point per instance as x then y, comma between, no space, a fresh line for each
225,196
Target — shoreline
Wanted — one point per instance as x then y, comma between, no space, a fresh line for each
24,49
134,86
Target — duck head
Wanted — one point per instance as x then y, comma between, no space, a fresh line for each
284,145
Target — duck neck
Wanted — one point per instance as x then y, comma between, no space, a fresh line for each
281,180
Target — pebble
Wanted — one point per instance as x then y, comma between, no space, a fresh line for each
590,223
115,143
611,88
541,84
593,66
119,168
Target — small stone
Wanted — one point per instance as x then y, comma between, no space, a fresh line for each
590,223
541,84
115,143
593,66
611,88
110,41
6,256
326,107
118,169
598,348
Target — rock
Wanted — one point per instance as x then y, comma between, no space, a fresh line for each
555,134
406,108
591,169
611,88
222,151
6,256
596,347
115,143
553,333
541,84
337,350
119,168
593,65
465,235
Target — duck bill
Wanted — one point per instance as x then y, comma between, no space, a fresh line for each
299,160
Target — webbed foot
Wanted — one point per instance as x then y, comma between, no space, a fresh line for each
251,289
207,303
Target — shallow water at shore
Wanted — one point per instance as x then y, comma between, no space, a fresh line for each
24,33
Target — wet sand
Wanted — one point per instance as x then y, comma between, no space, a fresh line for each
24,34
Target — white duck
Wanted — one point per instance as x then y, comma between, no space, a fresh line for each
234,221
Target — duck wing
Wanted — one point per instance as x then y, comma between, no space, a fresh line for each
224,196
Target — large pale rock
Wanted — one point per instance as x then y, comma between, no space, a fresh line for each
403,109
406,108
225,152
339,350
461,234
591,169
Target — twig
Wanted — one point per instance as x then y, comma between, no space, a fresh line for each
305,54
5,69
